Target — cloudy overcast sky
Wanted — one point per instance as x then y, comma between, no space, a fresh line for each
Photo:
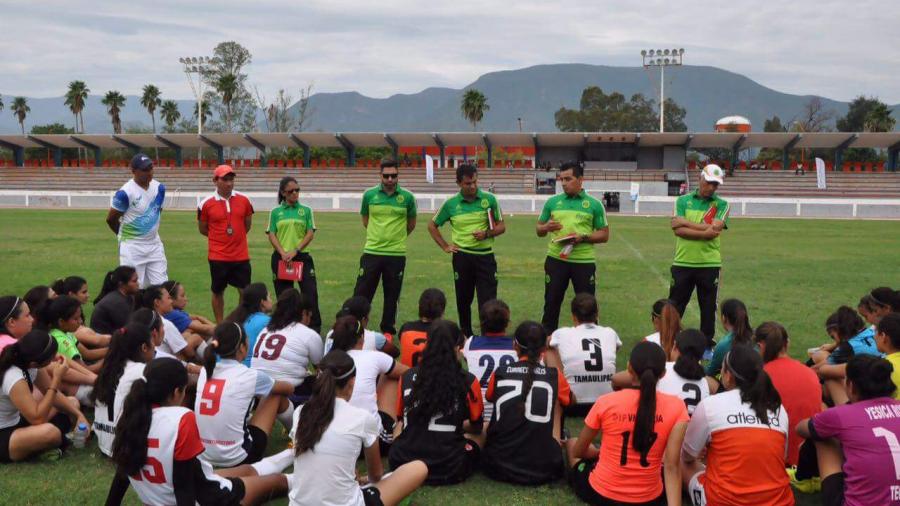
837,49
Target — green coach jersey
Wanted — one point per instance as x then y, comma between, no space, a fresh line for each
579,214
290,223
696,209
388,216
468,216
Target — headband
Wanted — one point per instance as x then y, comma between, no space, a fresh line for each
237,343
152,324
11,310
875,299
50,341
347,374
727,362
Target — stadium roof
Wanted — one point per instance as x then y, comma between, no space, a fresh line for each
729,140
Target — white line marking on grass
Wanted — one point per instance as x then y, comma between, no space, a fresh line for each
662,279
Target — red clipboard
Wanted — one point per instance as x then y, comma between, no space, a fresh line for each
290,271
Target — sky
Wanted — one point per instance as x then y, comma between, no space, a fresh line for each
837,49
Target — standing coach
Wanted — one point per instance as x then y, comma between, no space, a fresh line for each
475,220
575,221
225,218
389,216
700,216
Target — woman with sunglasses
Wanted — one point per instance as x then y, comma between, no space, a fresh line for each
290,230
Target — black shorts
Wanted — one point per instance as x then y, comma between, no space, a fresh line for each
222,274
302,392
579,480
6,435
255,445
577,410
372,496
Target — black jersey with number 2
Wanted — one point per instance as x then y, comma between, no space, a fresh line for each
439,442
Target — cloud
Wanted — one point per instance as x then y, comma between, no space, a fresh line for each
402,46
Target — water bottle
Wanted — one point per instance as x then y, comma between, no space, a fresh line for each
79,438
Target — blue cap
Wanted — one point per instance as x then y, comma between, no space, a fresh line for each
141,162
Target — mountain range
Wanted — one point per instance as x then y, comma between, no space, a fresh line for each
532,94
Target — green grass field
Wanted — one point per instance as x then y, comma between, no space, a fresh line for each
792,271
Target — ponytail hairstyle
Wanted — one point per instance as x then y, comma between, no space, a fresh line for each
37,347
871,377
115,278
584,308
494,316
60,308
691,345
162,377
669,323
334,372
38,299
227,339
440,385
775,337
531,338
289,309
125,345
890,327
746,367
282,185
648,361
11,308
69,285
150,319
251,302
845,322
347,332
735,313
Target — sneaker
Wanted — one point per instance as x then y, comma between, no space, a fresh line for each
808,486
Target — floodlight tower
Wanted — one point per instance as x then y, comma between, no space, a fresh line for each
662,58
199,65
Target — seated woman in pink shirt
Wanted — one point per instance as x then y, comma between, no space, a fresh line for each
16,319
857,442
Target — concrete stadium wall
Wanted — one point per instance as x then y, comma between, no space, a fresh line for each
645,205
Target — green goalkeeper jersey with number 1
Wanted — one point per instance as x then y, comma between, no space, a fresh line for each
579,214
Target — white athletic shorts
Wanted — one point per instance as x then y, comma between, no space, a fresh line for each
695,489
148,259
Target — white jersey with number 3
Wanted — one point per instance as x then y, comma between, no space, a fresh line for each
690,391
588,356
170,438
285,354
223,407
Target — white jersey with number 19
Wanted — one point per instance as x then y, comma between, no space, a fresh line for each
284,354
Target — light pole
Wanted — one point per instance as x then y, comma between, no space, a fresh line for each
199,65
661,58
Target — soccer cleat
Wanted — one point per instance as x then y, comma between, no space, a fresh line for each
808,486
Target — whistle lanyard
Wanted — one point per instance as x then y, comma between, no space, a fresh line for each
228,229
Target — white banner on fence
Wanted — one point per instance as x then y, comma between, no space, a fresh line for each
820,173
635,191
429,169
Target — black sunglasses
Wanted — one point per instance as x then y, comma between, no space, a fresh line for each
295,190
390,176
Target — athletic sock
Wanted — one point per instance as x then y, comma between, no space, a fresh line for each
286,417
275,463
83,395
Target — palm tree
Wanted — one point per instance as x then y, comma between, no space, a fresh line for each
20,110
227,86
76,98
150,100
206,111
169,113
473,106
879,119
114,101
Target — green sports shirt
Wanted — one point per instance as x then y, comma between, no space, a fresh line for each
468,216
67,345
578,214
696,209
388,216
290,223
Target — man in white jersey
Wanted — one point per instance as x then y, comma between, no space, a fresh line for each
134,215
586,353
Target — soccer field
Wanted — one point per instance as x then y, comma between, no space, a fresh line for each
792,271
